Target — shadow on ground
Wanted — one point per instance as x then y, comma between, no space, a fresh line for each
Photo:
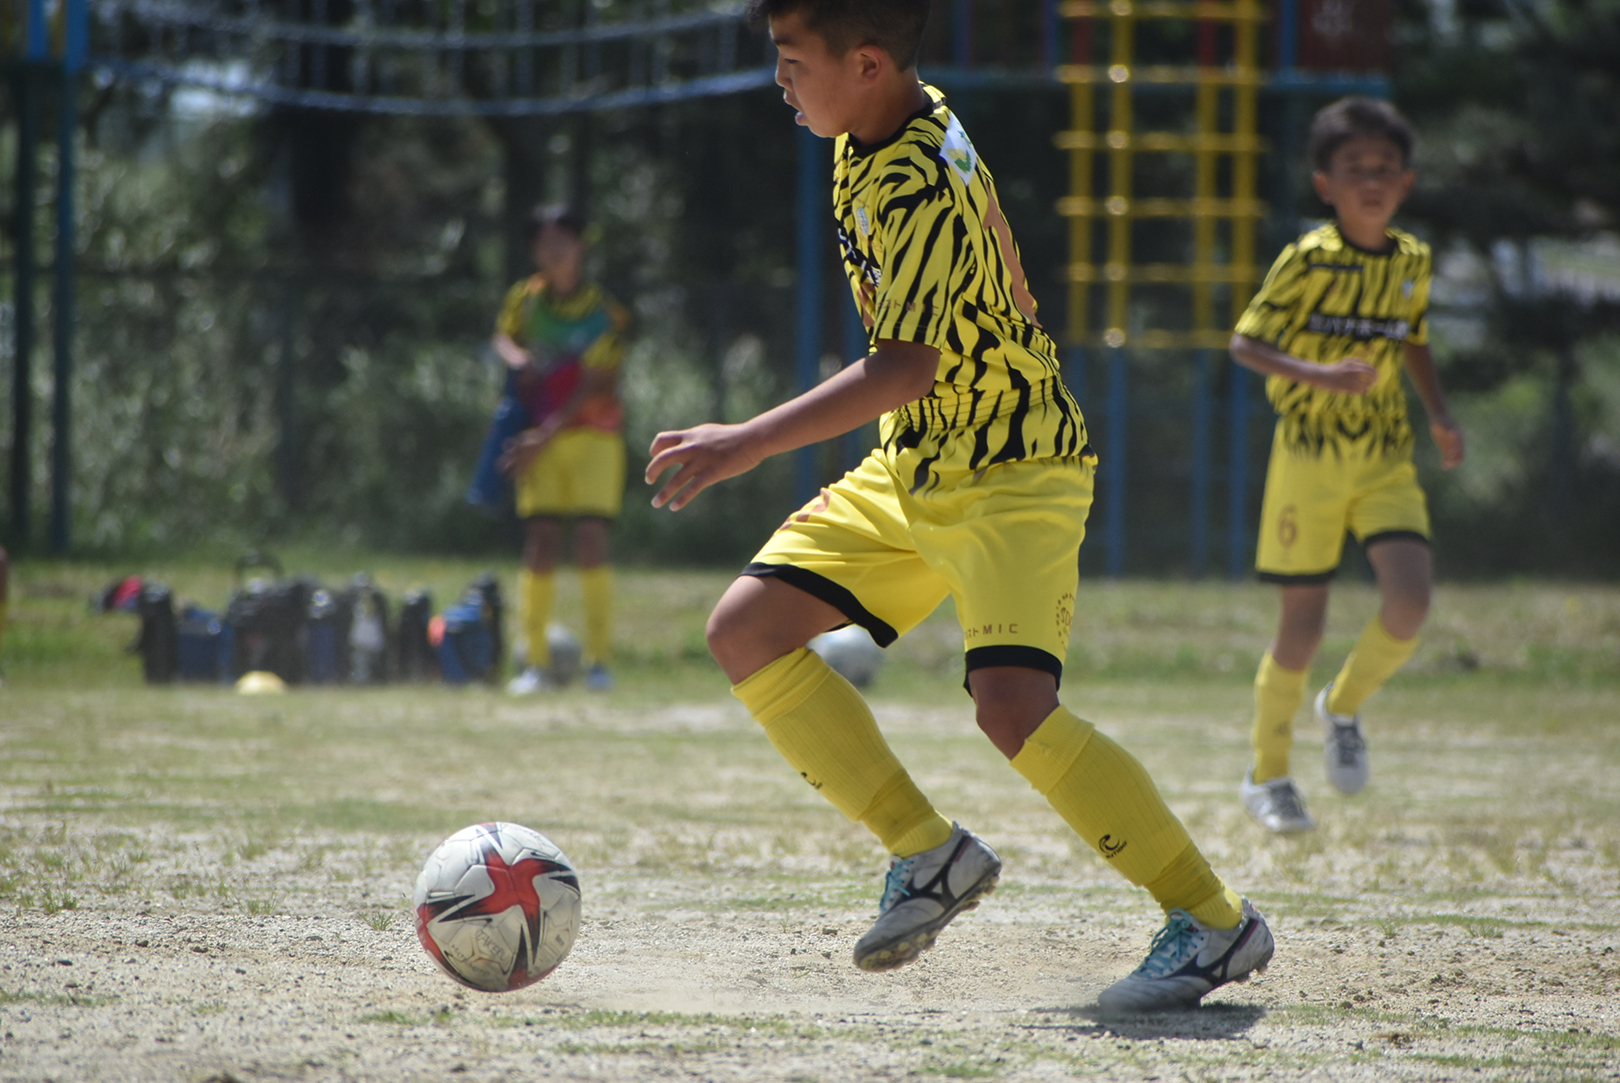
1213,1022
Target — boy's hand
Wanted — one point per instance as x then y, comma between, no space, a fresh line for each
1352,376
522,450
1449,439
705,455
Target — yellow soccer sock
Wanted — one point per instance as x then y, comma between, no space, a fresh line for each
539,592
825,731
1374,660
1104,794
1278,692
596,584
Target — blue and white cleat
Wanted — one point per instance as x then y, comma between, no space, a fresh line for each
1345,754
922,894
1187,960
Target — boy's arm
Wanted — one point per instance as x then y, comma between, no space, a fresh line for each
1352,376
1447,436
506,346
522,448
895,374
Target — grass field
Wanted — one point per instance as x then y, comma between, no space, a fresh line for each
199,886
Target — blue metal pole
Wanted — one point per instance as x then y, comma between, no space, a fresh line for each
1049,35
964,34
1074,373
814,202
857,343
1113,466
1200,464
1287,35
1237,494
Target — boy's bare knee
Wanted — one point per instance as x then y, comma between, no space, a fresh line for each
1010,703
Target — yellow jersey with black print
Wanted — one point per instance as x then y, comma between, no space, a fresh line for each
1326,300
931,260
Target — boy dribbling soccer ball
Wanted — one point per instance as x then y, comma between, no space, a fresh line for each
980,491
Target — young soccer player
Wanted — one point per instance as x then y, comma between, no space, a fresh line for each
560,335
1338,316
979,491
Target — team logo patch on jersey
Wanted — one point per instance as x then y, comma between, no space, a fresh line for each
1406,289
958,151
864,223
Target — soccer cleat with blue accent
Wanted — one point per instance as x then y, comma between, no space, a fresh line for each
1276,804
1187,960
598,679
922,894
1345,754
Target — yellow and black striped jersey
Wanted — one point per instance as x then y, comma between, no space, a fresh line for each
931,260
1326,300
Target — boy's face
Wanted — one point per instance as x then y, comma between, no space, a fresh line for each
558,255
1365,181
825,90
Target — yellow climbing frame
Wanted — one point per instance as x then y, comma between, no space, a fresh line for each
1241,78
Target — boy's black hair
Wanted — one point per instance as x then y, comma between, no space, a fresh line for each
1348,118
560,215
895,26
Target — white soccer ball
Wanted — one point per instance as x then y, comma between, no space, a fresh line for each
566,653
851,653
497,906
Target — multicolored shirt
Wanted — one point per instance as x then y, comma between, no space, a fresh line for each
1326,300
931,260
566,335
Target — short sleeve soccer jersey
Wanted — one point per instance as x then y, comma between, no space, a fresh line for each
567,335
931,260
1325,300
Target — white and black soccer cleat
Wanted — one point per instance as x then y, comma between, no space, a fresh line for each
921,895
1345,754
1186,960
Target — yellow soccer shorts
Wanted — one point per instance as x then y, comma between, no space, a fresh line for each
579,473
1003,542
1312,499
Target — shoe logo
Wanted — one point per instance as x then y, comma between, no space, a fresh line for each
1111,849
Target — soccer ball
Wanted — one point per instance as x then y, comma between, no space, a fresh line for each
851,653
497,906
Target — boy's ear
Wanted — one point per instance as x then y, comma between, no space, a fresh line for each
871,62
1319,181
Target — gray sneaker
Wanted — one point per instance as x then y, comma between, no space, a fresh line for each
922,894
1276,803
1346,750
532,681
1187,960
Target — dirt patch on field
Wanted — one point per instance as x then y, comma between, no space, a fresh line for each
204,889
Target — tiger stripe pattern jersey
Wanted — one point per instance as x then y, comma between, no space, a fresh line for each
1325,300
931,260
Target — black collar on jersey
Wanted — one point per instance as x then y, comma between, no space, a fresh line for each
1391,245
861,150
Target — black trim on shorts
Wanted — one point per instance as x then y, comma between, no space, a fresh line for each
1308,579
1011,654
1394,535
839,597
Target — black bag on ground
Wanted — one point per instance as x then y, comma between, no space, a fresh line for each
159,643
268,620
414,660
